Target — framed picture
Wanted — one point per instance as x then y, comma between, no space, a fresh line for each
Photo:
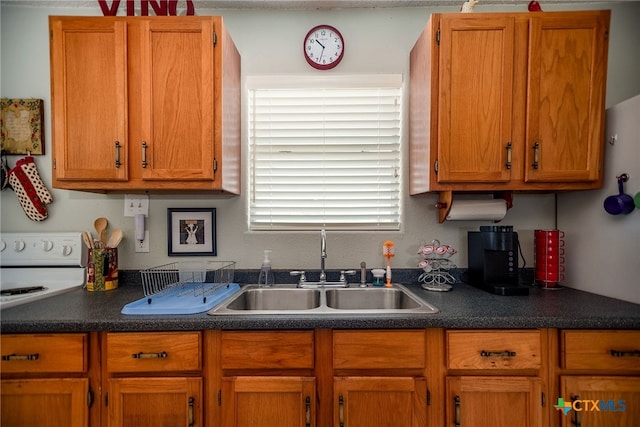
22,126
191,231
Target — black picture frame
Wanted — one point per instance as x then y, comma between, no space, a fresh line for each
191,231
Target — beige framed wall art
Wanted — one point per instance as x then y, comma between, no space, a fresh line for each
22,126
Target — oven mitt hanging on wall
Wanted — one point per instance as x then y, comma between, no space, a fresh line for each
31,191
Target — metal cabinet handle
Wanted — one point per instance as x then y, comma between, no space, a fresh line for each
191,403
509,148
141,355
144,154
456,402
118,146
307,405
576,414
341,410
14,356
536,155
620,353
505,353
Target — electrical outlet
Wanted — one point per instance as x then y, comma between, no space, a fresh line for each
144,247
136,204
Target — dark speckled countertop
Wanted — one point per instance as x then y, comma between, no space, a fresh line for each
463,307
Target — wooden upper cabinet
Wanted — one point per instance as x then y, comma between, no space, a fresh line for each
177,85
476,80
566,97
508,101
145,103
89,99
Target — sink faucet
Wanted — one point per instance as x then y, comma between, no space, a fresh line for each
323,254
322,281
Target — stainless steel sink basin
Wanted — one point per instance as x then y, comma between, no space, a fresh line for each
370,299
292,300
275,299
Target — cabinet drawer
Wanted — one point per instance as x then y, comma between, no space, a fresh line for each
153,351
602,350
267,350
379,349
493,349
44,353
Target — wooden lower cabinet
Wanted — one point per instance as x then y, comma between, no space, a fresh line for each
322,378
264,401
153,402
600,401
495,378
46,381
379,378
379,402
267,378
598,374
501,401
45,402
153,379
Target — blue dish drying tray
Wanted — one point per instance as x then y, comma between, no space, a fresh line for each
183,299
184,288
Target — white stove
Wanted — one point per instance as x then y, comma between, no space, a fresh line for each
34,266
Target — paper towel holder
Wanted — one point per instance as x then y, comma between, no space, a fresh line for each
444,205
445,200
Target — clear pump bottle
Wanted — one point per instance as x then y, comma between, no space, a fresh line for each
266,278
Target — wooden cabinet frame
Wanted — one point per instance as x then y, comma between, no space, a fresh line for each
492,94
303,362
145,104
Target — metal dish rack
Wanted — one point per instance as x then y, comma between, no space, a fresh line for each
187,279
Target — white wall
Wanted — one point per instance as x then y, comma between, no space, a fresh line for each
377,41
603,251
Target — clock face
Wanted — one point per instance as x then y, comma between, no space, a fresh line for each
323,47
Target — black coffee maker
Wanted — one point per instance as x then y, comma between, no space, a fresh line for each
493,260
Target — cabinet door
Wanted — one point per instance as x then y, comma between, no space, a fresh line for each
152,402
476,95
268,401
566,96
45,402
379,402
601,401
177,82
89,99
494,401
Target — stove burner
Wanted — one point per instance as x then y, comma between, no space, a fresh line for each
22,290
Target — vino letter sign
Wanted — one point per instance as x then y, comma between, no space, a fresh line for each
160,7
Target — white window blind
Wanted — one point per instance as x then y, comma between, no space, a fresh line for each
325,152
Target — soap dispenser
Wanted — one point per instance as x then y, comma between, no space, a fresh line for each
266,278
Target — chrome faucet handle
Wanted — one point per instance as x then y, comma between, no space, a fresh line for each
344,273
303,277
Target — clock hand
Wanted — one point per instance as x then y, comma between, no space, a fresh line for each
317,41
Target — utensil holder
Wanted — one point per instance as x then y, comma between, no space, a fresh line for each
102,269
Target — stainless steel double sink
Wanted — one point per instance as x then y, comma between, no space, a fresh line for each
288,299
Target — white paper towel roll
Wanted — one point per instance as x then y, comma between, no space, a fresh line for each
466,210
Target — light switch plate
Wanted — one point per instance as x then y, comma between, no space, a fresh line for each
136,204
